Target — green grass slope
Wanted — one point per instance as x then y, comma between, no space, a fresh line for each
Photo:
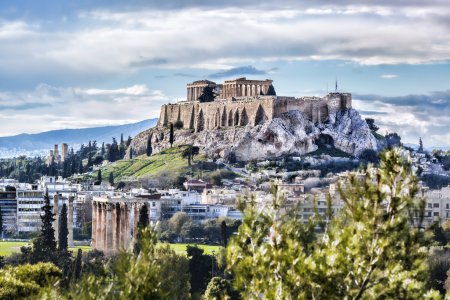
147,167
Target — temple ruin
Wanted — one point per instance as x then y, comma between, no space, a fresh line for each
240,102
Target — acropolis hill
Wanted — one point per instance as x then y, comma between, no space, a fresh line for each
241,102
246,120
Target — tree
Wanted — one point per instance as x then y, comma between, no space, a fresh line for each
156,273
77,267
393,140
223,227
200,266
271,91
99,176
44,246
143,217
27,281
171,135
420,146
128,142
131,152
369,156
218,288
177,221
207,94
189,152
142,223
149,146
111,178
62,229
371,123
369,250
1,223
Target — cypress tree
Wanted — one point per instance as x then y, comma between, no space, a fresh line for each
131,152
99,176
111,178
143,217
77,268
142,223
1,222
271,91
223,227
63,231
171,135
149,146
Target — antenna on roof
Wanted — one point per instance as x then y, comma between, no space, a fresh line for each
335,87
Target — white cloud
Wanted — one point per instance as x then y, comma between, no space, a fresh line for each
389,76
107,42
48,108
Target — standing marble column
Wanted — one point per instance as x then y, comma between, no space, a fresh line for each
109,228
117,225
94,225
70,222
56,212
104,227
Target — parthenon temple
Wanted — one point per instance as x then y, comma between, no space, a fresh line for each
242,102
230,88
114,222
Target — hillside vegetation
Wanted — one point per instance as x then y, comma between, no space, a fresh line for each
168,164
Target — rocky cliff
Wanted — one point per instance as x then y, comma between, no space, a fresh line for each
292,134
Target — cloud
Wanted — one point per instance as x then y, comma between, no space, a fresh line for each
248,70
48,107
219,35
412,116
389,76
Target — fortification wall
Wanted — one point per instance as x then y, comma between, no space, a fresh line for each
241,111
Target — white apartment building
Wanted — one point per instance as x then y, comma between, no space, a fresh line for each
29,209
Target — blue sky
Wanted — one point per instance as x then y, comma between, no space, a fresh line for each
70,64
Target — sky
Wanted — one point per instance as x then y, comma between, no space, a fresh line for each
74,64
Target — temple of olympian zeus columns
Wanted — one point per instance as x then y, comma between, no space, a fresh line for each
114,222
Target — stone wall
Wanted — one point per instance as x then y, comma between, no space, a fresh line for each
240,111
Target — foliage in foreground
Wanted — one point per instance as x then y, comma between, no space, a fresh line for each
27,280
157,272
369,251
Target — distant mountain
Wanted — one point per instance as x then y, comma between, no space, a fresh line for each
41,143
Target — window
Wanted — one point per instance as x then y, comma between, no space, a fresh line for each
436,214
447,206
435,204
429,205
153,204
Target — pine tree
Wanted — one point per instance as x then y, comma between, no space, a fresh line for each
44,246
99,176
149,146
63,231
129,140
111,178
171,135
420,145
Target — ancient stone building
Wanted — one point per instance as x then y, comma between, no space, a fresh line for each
114,222
241,102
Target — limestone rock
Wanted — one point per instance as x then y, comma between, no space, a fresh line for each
292,134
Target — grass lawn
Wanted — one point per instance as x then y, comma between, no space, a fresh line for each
181,248
7,248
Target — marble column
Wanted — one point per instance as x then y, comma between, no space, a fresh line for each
94,225
117,224
56,212
105,227
99,242
109,228
70,222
